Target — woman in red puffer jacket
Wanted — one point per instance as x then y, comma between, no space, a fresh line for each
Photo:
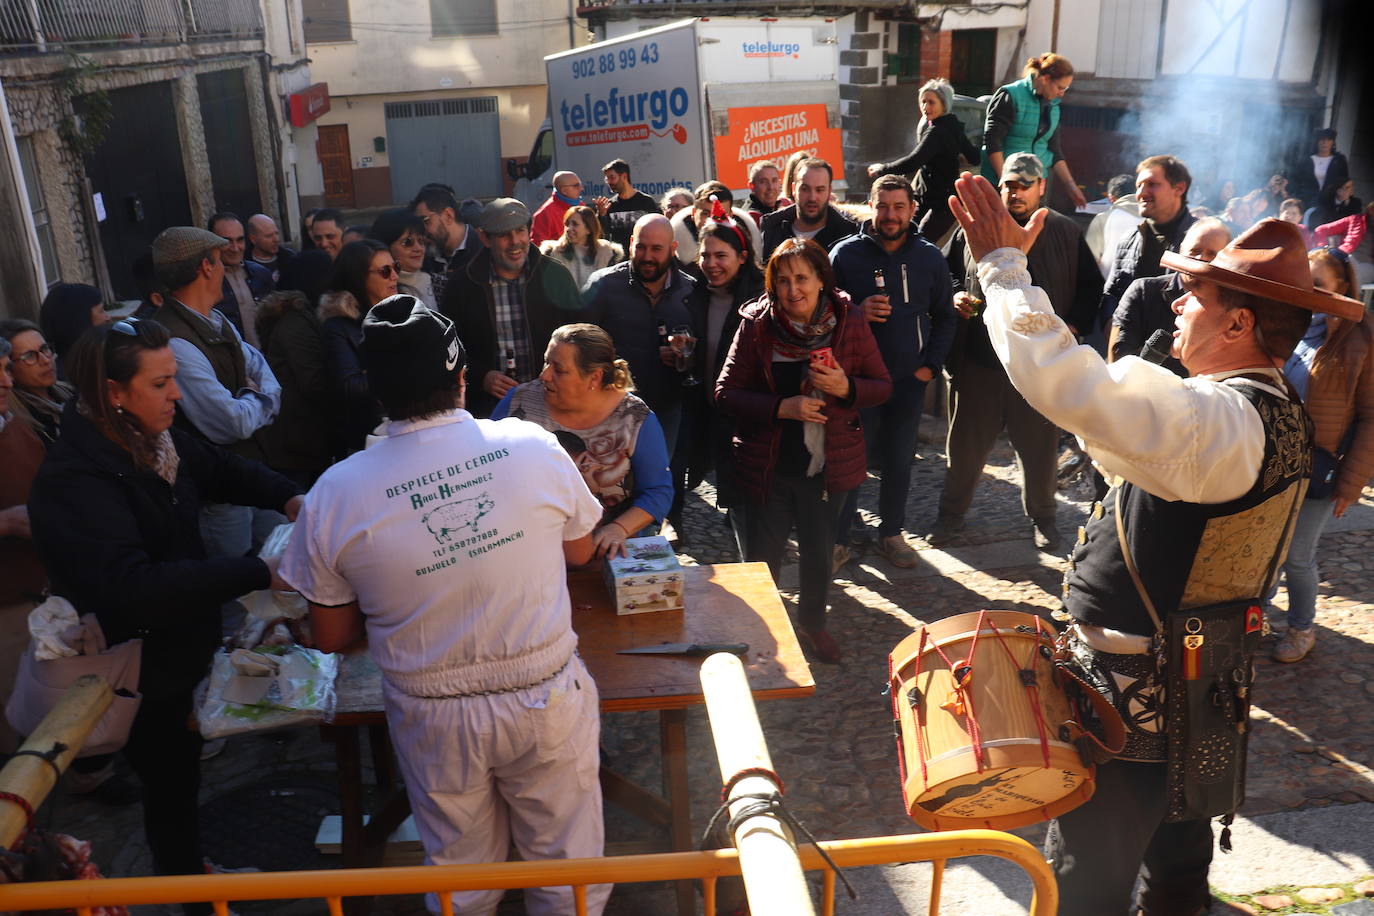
801,365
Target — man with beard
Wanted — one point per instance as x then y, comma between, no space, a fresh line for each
619,214
506,303
1161,190
638,302
982,399
914,323
765,187
812,216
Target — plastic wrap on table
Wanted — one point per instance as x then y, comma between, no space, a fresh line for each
270,687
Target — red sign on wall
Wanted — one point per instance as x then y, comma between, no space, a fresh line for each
309,104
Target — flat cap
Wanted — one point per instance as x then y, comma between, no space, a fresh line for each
504,214
182,243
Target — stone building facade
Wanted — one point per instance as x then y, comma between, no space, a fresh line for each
96,205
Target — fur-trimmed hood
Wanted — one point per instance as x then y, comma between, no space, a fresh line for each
338,303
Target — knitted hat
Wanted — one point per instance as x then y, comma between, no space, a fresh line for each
1268,260
408,350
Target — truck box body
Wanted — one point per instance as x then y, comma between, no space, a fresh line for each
688,101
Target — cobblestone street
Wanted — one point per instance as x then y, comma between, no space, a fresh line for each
1310,749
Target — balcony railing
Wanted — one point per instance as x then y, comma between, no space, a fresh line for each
61,25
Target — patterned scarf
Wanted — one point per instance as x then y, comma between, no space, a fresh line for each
158,454
793,341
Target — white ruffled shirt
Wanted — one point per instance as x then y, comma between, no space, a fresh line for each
1180,439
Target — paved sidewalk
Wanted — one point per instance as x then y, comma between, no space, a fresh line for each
1309,818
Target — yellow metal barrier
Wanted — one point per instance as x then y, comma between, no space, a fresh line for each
333,886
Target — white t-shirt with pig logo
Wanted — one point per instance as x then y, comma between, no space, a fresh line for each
449,534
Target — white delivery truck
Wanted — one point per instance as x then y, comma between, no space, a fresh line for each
688,101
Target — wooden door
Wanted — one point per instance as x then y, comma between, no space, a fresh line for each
336,161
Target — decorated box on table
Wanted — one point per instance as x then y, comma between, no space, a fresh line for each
647,578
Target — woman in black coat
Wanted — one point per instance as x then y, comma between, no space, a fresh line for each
364,274
115,512
1315,177
297,442
940,140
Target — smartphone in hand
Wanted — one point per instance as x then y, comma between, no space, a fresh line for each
825,357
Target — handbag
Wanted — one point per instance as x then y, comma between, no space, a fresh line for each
1207,656
39,684
1326,465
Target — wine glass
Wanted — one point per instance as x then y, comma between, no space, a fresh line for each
684,345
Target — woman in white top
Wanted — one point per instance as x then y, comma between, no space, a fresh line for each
581,248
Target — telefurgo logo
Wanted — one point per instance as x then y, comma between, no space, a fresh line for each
617,118
770,48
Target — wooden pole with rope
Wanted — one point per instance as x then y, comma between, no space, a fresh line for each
773,877
33,770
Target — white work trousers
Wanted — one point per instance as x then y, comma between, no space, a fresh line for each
483,772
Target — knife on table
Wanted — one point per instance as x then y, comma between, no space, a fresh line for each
689,649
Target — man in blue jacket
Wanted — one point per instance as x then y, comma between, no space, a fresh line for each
912,317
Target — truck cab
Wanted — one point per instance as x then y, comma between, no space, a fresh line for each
534,177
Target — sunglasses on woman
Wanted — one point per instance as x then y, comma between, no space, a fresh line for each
410,241
386,271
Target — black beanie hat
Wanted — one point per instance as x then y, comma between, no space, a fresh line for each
408,350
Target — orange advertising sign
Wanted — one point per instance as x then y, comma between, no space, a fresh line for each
774,132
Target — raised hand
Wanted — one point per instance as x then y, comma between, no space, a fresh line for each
986,223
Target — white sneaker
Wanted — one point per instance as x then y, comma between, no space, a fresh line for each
1295,645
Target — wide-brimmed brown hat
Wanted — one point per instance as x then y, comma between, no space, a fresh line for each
1270,260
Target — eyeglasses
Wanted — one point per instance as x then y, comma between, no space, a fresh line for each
45,352
126,326
386,271
410,241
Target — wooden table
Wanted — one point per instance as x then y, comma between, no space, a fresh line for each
733,602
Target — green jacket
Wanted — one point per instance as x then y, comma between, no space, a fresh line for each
1025,136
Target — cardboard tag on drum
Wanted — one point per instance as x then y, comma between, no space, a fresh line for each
647,578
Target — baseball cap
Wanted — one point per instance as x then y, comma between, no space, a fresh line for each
409,350
183,243
1023,167
504,214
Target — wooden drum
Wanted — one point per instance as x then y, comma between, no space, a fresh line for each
981,716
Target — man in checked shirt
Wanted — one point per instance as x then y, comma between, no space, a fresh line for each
506,303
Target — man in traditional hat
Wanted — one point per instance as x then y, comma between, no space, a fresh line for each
1208,474
445,544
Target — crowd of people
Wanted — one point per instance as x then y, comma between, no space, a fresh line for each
782,343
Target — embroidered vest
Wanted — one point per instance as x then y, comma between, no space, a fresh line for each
1190,554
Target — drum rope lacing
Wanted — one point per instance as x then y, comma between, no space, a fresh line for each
761,803
961,701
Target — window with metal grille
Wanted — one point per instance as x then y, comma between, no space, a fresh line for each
326,20
450,18
905,62
39,208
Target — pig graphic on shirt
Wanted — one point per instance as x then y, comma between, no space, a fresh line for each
443,520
